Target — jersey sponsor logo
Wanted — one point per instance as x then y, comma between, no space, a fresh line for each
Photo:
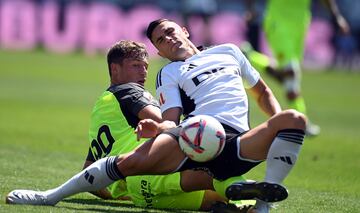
205,75
209,73
146,192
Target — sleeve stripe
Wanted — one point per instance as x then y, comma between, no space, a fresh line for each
158,79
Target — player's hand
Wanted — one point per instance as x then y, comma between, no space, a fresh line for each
250,16
146,128
343,25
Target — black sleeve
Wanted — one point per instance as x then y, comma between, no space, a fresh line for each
132,99
135,100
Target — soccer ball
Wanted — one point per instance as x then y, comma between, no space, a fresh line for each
202,138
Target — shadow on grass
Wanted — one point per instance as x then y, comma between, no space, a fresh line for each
109,205
100,202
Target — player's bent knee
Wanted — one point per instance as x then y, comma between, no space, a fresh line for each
296,119
290,119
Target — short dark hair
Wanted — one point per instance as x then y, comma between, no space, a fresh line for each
126,49
153,25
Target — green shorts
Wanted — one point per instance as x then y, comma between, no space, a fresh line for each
162,191
286,37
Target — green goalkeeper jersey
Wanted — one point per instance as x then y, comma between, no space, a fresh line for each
114,119
113,122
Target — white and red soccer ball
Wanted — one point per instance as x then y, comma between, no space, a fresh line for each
202,138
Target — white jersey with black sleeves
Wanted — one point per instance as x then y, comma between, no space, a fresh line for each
211,82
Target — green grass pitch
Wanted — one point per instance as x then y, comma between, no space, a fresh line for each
45,105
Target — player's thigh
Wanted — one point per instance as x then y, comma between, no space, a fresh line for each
161,155
255,143
192,180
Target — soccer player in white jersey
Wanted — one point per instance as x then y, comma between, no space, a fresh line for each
215,79
213,82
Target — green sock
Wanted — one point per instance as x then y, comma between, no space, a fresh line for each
298,104
258,60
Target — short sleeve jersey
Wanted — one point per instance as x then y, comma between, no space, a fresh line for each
211,82
114,119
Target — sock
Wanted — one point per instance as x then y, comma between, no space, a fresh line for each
283,154
293,85
259,61
298,104
262,206
95,177
221,186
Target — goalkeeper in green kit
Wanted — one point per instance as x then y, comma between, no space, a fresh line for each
285,26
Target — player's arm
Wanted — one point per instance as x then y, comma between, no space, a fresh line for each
340,20
152,123
172,114
265,98
250,13
148,128
256,86
150,112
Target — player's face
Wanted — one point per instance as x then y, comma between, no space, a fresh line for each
131,70
172,41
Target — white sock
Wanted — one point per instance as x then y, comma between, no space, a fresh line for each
283,154
262,206
95,177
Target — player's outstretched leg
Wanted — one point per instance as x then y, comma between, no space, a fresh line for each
95,177
268,192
